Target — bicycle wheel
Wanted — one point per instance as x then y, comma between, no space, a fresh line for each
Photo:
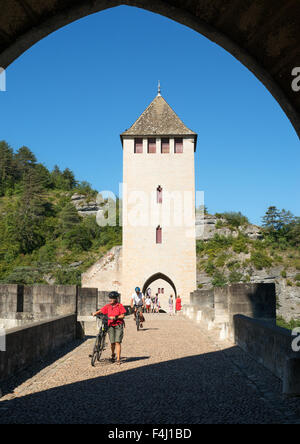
137,321
101,347
96,350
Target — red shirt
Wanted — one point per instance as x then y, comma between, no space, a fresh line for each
178,304
114,310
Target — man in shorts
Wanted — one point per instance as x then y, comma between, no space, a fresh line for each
116,314
137,304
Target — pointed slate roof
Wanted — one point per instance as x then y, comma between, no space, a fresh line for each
159,120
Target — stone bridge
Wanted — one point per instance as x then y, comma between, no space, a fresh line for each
222,361
261,34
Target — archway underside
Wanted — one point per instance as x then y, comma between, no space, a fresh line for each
263,34
156,277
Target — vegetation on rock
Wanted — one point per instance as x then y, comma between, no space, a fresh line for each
41,233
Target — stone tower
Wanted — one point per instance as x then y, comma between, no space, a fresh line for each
159,203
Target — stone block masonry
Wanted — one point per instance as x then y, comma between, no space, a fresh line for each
34,341
20,304
219,305
271,346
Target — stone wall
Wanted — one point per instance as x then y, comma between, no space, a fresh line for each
272,347
10,299
32,342
50,300
217,307
24,304
246,314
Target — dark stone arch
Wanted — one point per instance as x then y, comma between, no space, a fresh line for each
261,34
157,276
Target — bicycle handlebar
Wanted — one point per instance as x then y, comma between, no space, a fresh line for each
101,316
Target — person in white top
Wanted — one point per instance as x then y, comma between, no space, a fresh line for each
148,304
137,303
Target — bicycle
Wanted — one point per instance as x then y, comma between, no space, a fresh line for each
138,319
100,339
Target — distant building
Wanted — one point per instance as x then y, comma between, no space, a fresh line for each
158,163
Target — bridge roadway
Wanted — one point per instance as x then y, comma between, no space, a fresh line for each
172,373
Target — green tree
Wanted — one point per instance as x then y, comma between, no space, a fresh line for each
271,220
69,179
44,175
68,218
7,173
24,160
27,220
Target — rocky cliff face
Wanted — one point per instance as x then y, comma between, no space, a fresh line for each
207,228
288,296
84,206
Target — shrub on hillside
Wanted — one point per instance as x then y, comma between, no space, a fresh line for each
290,325
210,268
240,245
68,277
221,260
260,260
235,277
235,219
219,279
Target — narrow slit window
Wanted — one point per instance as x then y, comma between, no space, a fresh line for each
158,235
151,146
165,146
138,146
159,195
178,146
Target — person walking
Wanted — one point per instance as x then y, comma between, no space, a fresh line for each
148,304
178,305
116,314
153,304
171,305
156,304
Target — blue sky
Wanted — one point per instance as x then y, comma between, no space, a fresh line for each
70,96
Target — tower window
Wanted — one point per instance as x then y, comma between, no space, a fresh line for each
165,146
178,145
159,195
138,145
159,235
151,146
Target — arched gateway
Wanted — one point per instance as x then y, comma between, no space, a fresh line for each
157,277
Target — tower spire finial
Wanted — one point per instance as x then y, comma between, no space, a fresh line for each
159,89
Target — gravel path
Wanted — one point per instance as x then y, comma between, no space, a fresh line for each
172,373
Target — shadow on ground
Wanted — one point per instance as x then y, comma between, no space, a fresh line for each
17,379
205,389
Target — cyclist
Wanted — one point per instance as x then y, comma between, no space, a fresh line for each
116,314
138,303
